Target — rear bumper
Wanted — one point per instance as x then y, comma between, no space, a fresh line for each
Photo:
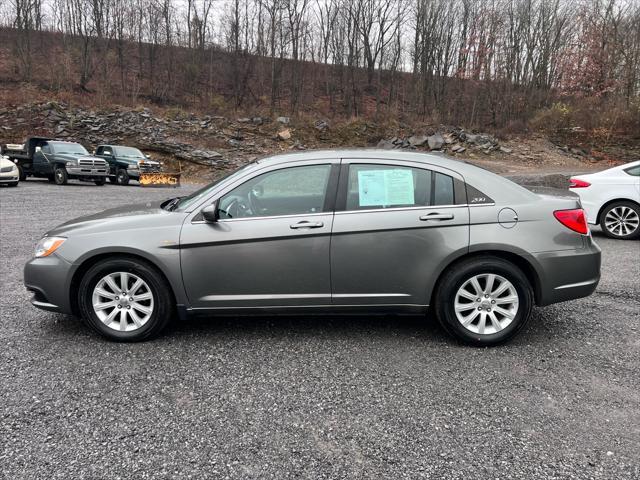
48,279
568,274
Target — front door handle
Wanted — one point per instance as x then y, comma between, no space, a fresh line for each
436,216
306,224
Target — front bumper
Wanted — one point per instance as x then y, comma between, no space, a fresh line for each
568,274
49,278
10,176
88,172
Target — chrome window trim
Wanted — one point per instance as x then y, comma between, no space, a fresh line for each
398,209
346,212
244,219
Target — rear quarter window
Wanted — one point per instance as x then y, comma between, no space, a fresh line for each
633,171
476,197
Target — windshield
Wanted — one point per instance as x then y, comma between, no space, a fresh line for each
75,148
198,195
128,152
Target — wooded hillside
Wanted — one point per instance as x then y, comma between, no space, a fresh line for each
501,64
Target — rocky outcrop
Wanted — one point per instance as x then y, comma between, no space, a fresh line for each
171,136
450,140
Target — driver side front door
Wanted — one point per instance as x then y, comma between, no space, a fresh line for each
270,247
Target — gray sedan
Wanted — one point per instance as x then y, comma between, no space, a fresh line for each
353,231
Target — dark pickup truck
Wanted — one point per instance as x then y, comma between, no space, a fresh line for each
126,163
57,161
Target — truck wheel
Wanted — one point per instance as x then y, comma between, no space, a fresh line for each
21,174
122,177
112,180
60,176
99,182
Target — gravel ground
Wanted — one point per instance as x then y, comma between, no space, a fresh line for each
383,397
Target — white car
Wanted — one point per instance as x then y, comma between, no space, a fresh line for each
9,174
612,199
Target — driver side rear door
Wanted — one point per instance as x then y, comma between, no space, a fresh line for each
271,247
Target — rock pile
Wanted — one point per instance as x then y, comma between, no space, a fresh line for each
455,140
138,128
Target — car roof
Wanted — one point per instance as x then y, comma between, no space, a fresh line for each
431,158
113,145
488,182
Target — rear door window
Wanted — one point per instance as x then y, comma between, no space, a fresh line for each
373,186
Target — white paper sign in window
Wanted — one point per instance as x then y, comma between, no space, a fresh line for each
386,187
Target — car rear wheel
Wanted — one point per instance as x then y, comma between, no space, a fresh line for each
484,301
99,182
60,176
122,177
21,175
125,300
621,220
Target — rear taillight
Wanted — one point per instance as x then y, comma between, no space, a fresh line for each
575,183
573,219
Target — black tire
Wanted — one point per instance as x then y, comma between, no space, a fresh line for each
112,180
60,176
21,175
122,177
632,227
163,306
457,275
99,183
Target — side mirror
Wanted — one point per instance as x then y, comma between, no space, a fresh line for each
210,213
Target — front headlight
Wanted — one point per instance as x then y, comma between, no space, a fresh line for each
132,166
70,164
48,245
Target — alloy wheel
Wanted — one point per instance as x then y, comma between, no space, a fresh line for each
486,304
622,221
123,301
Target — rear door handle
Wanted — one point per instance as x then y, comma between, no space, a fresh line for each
306,224
436,216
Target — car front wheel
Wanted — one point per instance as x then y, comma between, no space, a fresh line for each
484,301
621,220
125,300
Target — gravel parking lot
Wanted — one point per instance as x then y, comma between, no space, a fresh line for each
313,397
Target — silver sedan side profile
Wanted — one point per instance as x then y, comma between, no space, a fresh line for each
342,231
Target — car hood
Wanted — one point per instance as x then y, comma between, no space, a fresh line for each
137,160
144,215
5,162
75,156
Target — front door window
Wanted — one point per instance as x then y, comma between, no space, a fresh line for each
289,191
